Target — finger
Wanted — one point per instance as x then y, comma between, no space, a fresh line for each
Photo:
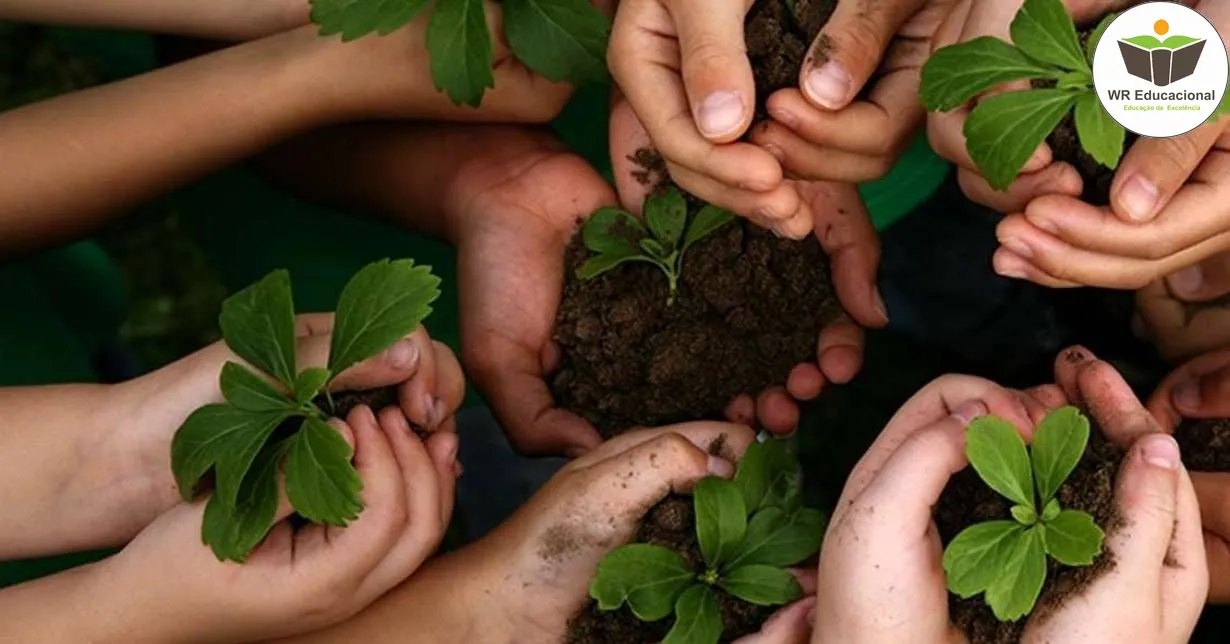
1213,367
1212,491
1053,179
648,472
1113,405
1147,495
806,381
394,365
1153,170
849,49
1051,397
420,400
1185,571
765,208
789,625
839,353
804,159
807,578
443,451
1206,396
636,173
777,411
1036,410
741,410
845,231
946,133
1011,265
1208,280
1068,366
716,71
912,479
702,434
308,324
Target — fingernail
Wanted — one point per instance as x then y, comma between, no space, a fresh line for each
1139,198
1046,225
719,466
438,413
1160,450
785,117
1186,395
427,407
767,213
721,114
402,355
1018,247
829,85
435,411
366,413
880,307
777,153
1009,264
1038,159
1187,281
967,411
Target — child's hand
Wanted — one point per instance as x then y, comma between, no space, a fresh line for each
296,580
1188,313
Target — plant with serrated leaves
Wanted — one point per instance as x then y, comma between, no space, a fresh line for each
1006,560
560,40
272,420
616,237
749,529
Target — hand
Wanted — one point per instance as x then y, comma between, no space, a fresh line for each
1186,314
296,580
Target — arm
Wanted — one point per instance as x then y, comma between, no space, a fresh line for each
222,19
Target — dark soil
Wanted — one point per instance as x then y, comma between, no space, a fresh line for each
778,42
750,307
670,524
1205,444
967,500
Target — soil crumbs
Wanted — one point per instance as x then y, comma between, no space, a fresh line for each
778,42
1205,445
670,524
967,500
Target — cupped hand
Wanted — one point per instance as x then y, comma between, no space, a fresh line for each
297,580
1187,313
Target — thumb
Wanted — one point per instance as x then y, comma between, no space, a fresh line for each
394,365
716,71
1205,395
1155,169
1147,494
849,49
634,179
1208,280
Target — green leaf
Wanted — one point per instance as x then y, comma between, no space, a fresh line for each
955,75
247,391
976,556
1024,514
997,452
234,531
762,585
561,40
381,304
698,619
309,382
462,60
667,215
777,538
649,578
752,474
1044,30
1019,582
707,221
1091,45
222,436
259,325
321,483
356,18
654,248
1079,81
1073,538
602,231
599,264
1059,444
721,518
1004,130
1051,510
1100,135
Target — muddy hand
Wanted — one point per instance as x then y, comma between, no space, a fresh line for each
1157,588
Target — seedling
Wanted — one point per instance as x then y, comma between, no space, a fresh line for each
749,530
1006,560
617,237
561,40
273,421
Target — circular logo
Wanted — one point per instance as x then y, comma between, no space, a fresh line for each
1161,69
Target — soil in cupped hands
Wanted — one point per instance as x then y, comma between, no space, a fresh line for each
967,500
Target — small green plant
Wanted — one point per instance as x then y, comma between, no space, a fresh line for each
615,236
560,40
272,423
1006,560
748,529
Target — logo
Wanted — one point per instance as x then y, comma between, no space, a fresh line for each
1161,69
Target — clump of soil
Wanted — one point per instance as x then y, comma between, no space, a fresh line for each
670,524
750,307
967,500
779,41
1205,444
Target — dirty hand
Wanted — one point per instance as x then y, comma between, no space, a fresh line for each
844,230
1187,313
1160,580
880,577
296,580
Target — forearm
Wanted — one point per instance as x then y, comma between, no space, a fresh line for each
70,163
69,607
221,19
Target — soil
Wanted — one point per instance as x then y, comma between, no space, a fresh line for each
1205,444
778,42
670,524
967,500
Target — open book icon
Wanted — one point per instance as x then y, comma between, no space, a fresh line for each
1161,62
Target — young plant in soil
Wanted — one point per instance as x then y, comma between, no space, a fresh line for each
274,417
615,237
1006,561
748,530
560,40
